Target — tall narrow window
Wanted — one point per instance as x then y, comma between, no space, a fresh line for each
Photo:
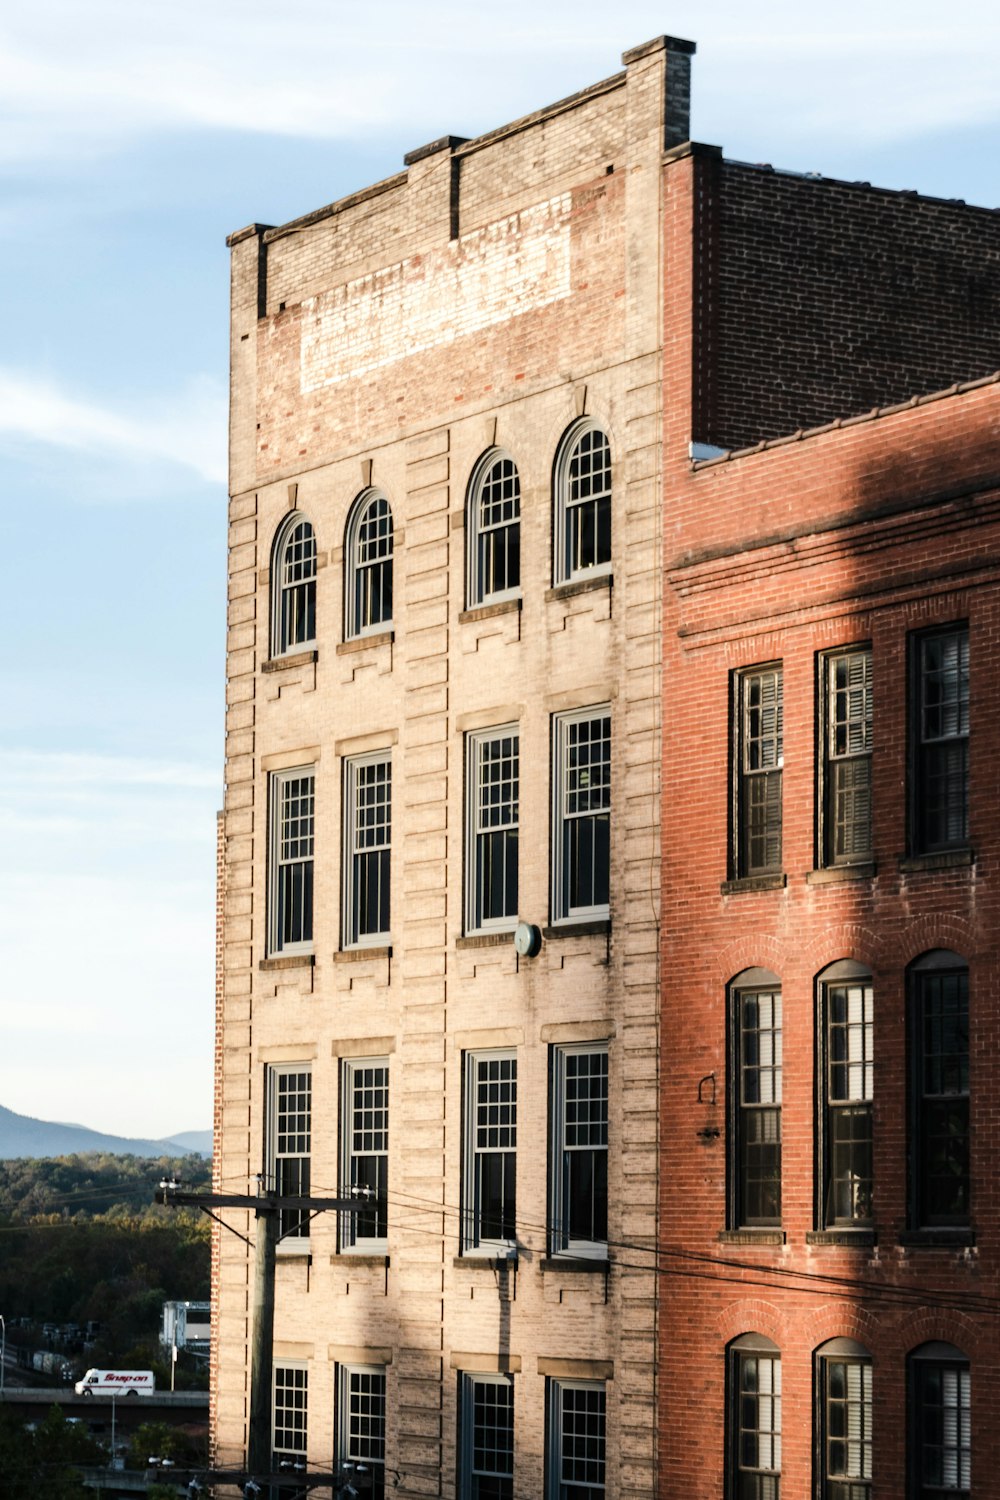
576,1439
940,792
581,795
291,849
845,1379
493,788
293,586
289,1143
759,758
494,530
367,830
846,802
365,1137
579,1136
846,1003
940,1423
291,1411
756,1114
490,1188
940,1090
755,1419
361,1422
582,509
368,566
486,1464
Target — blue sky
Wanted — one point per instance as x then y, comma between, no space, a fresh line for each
133,137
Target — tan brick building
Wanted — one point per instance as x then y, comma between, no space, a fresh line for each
444,662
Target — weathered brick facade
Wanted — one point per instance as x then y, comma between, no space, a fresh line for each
582,263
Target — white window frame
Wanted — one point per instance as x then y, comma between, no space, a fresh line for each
469,1488
476,591
351,1444
278,860
282,586
562,1243
564,570
357,621
563,815
294,1368
293,1224
474,1242
351,1242
558,1486
477,831
355,854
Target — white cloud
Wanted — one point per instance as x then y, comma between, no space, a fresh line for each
187,428
83,78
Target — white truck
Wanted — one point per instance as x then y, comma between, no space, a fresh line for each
116,1383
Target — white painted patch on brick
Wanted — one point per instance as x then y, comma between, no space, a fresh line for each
515,265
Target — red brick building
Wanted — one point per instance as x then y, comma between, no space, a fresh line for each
830,1205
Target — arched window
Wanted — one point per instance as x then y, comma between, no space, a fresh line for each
755,1092
293,586
844,1401
846,1071
754,1411
939,1091
939,1386
494,530
582,504
368,566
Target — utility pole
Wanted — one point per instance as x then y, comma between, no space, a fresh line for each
268,1208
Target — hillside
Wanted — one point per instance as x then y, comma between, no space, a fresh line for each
21,1136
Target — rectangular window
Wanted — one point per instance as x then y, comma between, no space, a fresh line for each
846,765
757,1026
490,1186
291,850
289,1143
365,1144
291,1410
756,1433
847,1429
367,839
576,1439
487,1432
361,1422
940,790
941,1432
941,1069
492,781
579,1134
759,758
848,1073
581,833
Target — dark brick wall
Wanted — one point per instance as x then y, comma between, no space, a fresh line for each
829,298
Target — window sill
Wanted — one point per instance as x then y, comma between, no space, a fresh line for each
835,874
287,961
575,586
487,611
947,859
745,883
937,1239
485,1262
298,1251
362,642
751,1237
559,1264
359,1258
358,955
852,1238
485,939
599,926
280,663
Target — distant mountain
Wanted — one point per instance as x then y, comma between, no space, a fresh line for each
20,1135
